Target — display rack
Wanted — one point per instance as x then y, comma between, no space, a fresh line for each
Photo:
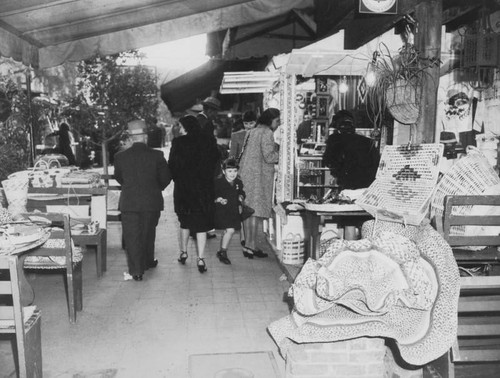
312,179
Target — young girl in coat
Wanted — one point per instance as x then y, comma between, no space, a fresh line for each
229,195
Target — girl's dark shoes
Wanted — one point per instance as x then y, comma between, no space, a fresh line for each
202,267
247,252
222,255
183,257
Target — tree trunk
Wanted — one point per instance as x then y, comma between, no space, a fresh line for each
104,158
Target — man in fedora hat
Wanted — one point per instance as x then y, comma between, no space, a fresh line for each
143,173
206,118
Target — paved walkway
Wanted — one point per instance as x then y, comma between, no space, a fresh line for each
150,328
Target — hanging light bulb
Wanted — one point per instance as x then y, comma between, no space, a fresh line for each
370,78
343,88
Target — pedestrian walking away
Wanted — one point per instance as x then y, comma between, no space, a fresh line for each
143,173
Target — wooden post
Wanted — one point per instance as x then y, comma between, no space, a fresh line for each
428,41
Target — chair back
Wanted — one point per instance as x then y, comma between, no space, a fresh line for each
11,310
60,239
59,253
24,322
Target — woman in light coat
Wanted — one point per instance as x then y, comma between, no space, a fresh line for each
260,154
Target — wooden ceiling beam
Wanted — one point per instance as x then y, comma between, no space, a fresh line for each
290,36
306,22
258,33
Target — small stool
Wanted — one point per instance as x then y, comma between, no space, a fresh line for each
98,241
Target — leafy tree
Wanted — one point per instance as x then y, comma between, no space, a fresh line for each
15,154
109,94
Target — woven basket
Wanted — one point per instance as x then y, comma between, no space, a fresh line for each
293,250
16,192
403,101
328,237
470,175
405,181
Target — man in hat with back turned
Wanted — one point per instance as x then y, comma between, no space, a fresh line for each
143,174
206,118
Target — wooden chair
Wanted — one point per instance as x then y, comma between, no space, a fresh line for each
22,322
95,241
59,253
112,186
478,341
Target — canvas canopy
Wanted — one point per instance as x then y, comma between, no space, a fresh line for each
46,33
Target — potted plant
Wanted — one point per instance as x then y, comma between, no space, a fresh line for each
398,83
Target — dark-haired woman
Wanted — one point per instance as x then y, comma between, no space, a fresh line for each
65,142
260,154
192,162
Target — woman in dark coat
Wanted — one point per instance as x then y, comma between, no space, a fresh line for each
65,140
192,162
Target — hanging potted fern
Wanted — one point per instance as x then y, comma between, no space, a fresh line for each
398,84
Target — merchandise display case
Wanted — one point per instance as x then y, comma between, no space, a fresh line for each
312,179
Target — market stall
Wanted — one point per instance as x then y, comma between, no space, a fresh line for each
315,81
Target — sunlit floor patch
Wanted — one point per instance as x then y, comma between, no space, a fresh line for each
233,365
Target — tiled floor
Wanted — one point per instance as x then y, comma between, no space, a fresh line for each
150,328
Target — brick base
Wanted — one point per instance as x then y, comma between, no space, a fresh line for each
358,358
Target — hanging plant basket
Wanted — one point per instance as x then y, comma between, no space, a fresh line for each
403,101
398,83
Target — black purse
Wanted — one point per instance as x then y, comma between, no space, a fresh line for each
246,211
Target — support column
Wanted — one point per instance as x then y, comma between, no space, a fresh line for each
428,41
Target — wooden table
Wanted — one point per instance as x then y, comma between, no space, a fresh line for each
97,241
349,220
98,204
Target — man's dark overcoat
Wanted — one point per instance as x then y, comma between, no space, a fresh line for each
143,174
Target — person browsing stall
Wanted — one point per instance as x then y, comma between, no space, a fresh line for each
143,173
237,138
352,158
260,154
229,195
206,118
